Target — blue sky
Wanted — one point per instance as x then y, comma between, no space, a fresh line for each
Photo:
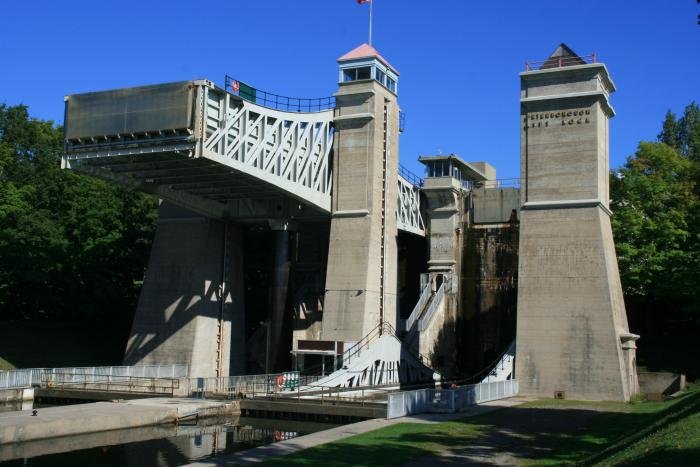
459,60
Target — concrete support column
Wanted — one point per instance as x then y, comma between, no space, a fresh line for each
182,316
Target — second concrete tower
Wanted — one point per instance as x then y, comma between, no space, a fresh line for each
572,335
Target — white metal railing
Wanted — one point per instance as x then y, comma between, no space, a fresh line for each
28,377
432,308
400,404
358,347
246,385
422,300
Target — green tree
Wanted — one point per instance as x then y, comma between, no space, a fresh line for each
70,245
683,134
656,221
669,132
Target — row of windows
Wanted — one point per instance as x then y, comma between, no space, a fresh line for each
446,168
365,72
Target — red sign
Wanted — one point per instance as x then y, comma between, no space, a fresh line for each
235,86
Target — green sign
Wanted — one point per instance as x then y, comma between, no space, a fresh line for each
246,92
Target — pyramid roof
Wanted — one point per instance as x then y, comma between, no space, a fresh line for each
366,51
568,58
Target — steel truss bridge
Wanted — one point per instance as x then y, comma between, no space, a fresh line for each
213,152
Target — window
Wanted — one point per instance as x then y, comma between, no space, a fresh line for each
391,84
364,72
379,75
353,74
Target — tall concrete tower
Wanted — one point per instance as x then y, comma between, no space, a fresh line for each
361,274
572,335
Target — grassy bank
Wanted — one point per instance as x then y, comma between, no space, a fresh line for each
544,432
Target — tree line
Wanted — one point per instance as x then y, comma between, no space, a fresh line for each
75,247
71,246
656,218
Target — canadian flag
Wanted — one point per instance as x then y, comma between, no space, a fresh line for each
361,2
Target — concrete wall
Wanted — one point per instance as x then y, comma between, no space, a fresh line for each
353,279
489,293
658,384
177,317
494,205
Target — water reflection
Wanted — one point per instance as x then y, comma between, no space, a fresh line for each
162,446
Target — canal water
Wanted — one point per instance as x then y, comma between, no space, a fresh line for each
160,446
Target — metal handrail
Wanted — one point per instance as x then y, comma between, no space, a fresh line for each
500,183
479,375
26,377
355,349
109,382
278,102
418,309
430,312
245,385
377,331
410,176
559,62
507,356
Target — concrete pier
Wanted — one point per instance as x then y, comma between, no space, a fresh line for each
96,417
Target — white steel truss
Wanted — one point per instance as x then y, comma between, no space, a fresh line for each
408,215
233,152
288,150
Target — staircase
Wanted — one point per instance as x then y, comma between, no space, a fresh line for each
504,368
379,358
425,310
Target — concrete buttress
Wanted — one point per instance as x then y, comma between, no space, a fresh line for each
191,306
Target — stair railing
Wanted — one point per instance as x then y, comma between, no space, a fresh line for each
359,346
432,308
418,309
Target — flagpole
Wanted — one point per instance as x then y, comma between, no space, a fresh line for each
370,21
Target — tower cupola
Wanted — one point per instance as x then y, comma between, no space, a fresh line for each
365,63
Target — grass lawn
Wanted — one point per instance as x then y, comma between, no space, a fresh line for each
545,432
393,445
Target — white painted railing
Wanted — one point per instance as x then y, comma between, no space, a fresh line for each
415,314
28,377
404,403
432,308
247,385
